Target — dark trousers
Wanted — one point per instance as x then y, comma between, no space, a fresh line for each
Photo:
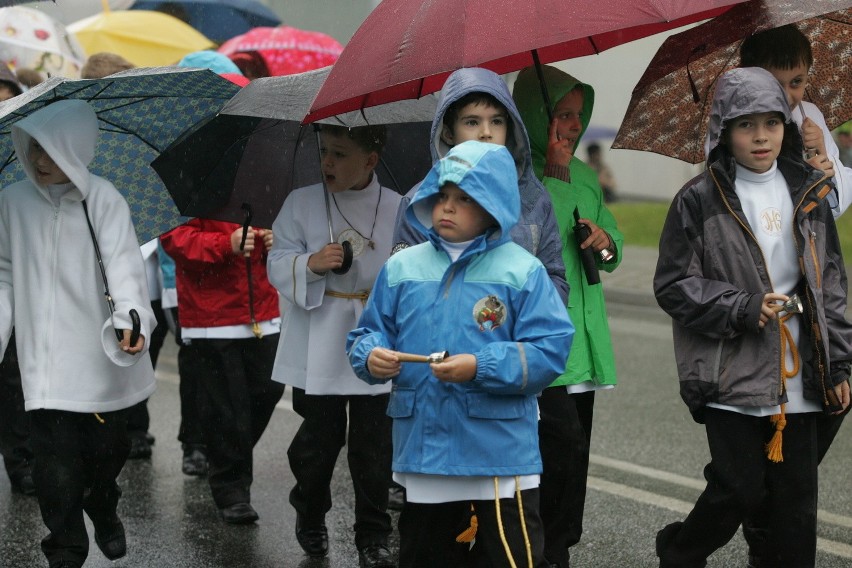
77,460
138,419
239,397
756,528
427,533
14,422
565,433
740,479
316,446
190,371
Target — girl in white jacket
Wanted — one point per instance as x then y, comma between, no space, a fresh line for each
77,378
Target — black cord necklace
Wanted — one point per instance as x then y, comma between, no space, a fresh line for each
370,242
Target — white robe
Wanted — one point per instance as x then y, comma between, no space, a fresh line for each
311,350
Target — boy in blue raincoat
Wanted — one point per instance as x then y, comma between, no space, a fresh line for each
465,429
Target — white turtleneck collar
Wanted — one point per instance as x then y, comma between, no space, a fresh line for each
748,175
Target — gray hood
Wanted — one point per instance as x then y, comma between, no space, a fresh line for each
68,132
746,90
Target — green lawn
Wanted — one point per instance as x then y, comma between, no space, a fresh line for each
641,223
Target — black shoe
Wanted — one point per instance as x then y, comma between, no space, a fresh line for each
239,514
66,564
194,462
312,539
755,561
149,437
375,556
139,448
23,484
109,536
396,498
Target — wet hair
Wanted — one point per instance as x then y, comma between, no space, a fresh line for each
784,47
29,77
476,98
368,138
104,63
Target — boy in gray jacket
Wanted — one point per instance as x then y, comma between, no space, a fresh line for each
749,232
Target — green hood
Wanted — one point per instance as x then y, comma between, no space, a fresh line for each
530,103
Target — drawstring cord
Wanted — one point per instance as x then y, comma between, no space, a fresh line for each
469,533
773,448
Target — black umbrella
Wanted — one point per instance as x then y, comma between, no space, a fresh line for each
256,151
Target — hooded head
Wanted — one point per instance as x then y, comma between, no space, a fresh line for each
530,100
747,90
465,82
486,173
219,63
68,131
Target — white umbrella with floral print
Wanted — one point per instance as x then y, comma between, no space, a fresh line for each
32,39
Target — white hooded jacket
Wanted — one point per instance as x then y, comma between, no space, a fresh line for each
51,288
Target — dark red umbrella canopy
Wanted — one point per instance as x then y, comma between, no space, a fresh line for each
407,48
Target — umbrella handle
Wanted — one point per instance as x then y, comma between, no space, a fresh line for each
347,246
548,106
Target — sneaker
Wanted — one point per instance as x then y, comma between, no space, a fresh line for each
194,462
312,539
375,556
139,448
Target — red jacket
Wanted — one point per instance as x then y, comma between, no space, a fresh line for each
212,281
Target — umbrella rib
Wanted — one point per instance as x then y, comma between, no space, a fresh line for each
121,130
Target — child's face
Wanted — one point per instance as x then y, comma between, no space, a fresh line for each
47,172
345,165
794,82
755,139
457,217
568,115
478,121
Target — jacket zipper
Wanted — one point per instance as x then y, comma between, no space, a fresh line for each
51,300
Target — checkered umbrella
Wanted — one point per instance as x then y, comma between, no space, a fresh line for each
140,112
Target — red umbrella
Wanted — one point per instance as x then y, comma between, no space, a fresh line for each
285,50
407,48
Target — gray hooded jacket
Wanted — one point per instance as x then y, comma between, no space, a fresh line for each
536,230
711,275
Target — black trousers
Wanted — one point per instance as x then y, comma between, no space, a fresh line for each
316,446
756,528
77,460
238,399
427,533
565,433
14,422
138,419
740,478
190,371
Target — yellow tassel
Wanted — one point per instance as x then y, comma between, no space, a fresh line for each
773,448
99,419
470,532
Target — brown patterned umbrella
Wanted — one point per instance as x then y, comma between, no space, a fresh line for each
668,111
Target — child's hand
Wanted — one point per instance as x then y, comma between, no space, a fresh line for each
767,312
455,368
329,258
813,137
383,363
821,162
559,152
265,235
842,392
125,343
237,238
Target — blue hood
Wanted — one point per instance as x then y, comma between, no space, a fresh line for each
483,171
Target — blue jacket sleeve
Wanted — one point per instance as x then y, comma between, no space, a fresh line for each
376,328
543,334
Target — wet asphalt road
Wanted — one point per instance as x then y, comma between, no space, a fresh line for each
646,468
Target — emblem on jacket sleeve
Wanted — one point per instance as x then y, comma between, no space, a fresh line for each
489,313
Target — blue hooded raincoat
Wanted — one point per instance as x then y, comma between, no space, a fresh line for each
496,302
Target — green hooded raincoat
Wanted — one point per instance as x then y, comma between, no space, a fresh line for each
591,357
